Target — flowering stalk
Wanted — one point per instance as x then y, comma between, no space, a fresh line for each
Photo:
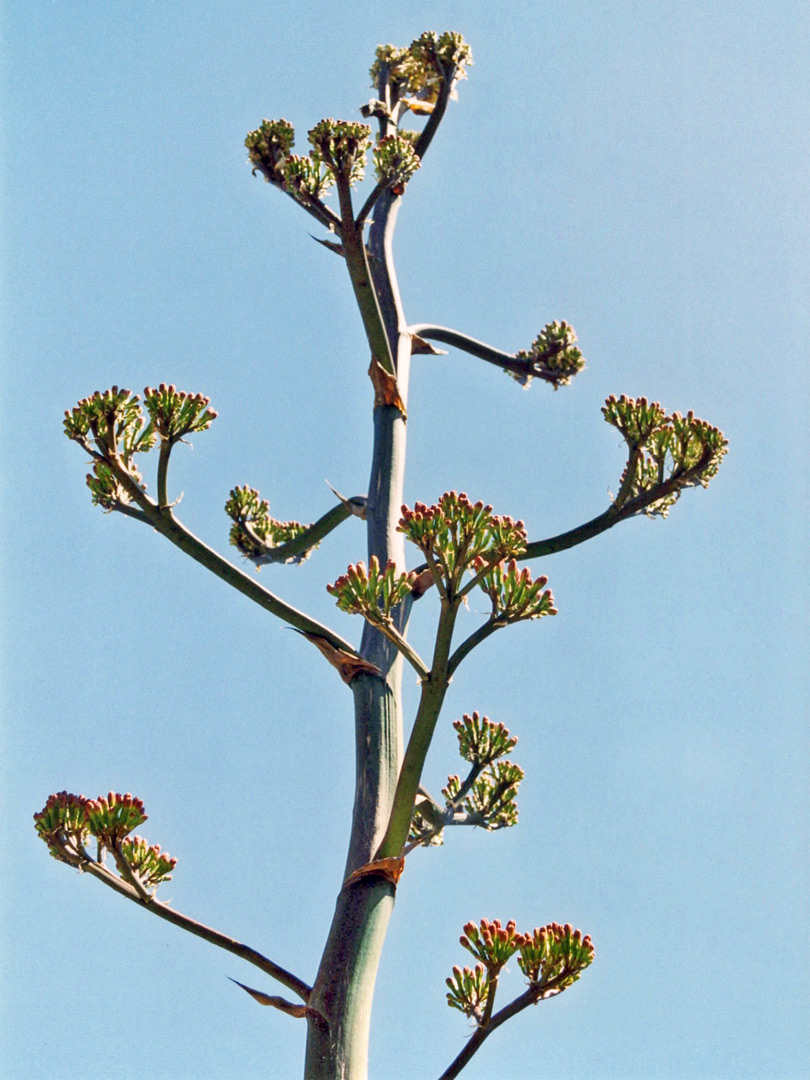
464,544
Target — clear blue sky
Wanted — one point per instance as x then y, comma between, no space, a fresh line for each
637,168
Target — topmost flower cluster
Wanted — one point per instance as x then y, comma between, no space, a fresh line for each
421,69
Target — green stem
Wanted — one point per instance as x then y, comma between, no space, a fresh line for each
162,473
357,262
344,987
430,704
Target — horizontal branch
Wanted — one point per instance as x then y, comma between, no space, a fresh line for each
207,933
612,516
510,362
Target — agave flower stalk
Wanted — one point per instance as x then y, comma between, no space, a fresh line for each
463,546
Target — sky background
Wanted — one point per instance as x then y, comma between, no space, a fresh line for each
637,168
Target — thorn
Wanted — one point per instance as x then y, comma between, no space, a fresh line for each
337,248
357,503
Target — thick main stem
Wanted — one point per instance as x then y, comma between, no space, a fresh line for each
344,987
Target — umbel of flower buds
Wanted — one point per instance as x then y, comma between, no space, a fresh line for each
514,594
67,821
175,413
151,865
492,943
490,802
667,453
342,145
254,533
553,357
554,956
105,415
481,741
453,532
373,593
114,817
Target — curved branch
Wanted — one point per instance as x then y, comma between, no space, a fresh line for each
613,515
439,109
467,646
305,541
531,996
167,525
511,362
207,933
368,205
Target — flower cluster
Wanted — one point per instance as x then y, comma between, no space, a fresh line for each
667,453
151,865
554,956
454,532
473,991
112,818
174,413
110,425
105,488
486,798
254,533
342,145
269,152
67,821
306,177
395,160
490,801
553,357
481,741
421,69
468,991
494,945
268,147
62,825
373,593
514,594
